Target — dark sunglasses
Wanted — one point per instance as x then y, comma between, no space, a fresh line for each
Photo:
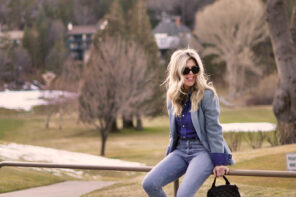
194,69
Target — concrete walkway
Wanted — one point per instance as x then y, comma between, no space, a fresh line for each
63,189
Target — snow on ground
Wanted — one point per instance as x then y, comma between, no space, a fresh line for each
248,127
25,100
21,152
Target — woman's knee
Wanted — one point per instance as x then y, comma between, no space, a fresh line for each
149,185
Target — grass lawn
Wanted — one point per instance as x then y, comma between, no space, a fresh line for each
147,146
248,114
13,178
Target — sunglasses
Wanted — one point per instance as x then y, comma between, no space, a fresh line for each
194,69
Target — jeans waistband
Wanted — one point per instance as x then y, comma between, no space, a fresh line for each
185,138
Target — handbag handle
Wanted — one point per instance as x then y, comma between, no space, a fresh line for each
226,181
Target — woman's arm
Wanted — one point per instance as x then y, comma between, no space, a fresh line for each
213,128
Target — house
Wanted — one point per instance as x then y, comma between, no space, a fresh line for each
170,33
79,39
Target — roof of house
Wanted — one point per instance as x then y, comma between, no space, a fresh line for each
83,29
170,28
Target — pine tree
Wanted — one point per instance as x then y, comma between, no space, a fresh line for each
140,30
56,57
31,44
116,22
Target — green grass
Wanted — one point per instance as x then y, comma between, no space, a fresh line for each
268,162
13,178
147,146
9,124
10,112
250,114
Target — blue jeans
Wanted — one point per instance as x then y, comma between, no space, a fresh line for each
189,158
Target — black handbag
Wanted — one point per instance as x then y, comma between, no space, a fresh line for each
226,190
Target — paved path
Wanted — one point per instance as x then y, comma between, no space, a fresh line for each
64,189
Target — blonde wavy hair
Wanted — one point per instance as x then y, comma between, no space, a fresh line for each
175,79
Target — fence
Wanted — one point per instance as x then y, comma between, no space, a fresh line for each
258,173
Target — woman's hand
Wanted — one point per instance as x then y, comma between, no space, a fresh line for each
219,171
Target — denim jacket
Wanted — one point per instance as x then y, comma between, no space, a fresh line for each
206,123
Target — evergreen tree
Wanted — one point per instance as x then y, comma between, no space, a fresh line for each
116,22
43,27
21,13
31,44
57,57
96,9
65,11
141,31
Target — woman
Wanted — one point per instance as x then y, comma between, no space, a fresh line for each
196,146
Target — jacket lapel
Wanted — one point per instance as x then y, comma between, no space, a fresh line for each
197,127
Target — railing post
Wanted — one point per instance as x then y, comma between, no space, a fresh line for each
176,186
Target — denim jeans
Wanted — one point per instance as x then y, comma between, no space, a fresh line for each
189,158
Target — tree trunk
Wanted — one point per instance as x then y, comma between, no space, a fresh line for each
232,79
60,116
139,123
114,128
49,113
284,103
103,142
241,81
127,121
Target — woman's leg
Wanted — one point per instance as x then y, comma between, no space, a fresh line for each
199,169
169,169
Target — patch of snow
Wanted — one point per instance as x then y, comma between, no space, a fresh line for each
21,152
25,100
248,127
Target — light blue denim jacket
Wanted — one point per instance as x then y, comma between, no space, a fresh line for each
206,123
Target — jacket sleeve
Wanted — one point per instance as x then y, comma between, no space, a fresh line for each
214,129
169,105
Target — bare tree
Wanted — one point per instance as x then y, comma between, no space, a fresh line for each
229,29
115,80
283,42
68,83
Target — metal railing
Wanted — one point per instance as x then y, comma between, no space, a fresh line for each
257,173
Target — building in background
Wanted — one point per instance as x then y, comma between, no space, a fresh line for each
79,39
170,33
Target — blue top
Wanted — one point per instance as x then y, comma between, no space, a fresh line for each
185,128
209,131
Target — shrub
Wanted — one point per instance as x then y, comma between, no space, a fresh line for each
255,139
234,140
273,140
